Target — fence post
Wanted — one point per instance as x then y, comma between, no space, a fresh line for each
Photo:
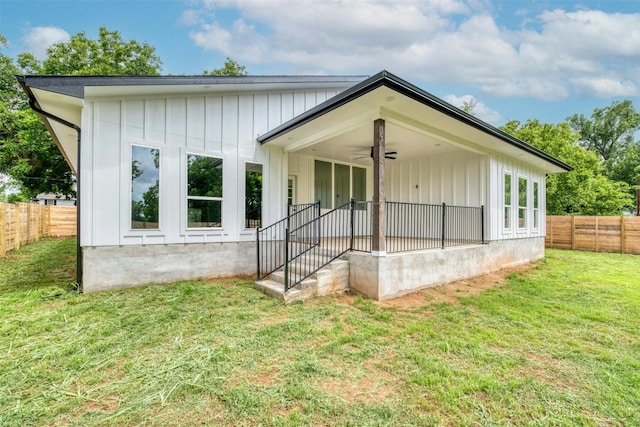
622,242
597,235
3,227
573,232
17,222
444,209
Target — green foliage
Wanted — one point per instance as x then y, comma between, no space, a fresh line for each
110,54
585,190
609,131
230,68
29,154
204,176
625,167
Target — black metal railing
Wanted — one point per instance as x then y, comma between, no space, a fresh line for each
333,231
307,240
270,241
362,227
416,226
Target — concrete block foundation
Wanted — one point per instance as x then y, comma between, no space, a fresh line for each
393,275
113,267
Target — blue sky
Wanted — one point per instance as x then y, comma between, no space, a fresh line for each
544,59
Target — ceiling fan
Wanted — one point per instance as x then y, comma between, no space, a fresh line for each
391,155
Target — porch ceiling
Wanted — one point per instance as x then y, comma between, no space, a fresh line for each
417,125
354,146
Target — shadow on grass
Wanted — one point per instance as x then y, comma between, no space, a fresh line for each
46,263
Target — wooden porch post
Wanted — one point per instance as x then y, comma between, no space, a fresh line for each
379,241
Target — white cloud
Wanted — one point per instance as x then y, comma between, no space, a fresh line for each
549,56
38,39
480,110
606,87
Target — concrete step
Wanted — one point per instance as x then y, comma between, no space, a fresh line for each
332,278
278,277
304,290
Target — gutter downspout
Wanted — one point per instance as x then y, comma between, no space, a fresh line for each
37,109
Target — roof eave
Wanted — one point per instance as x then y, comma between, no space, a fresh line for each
385,78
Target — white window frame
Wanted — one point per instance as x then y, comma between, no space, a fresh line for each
244,208
129,210
507,211
536,204
523,208
187,198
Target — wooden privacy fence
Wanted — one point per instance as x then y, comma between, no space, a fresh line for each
23,223
594,233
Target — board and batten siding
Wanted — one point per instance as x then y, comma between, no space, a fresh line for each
498,167
219,125
455,178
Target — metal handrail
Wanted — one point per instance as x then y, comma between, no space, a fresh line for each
270,240
332,237
308,240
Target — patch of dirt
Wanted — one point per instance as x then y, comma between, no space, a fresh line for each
364,390
452,292
370,384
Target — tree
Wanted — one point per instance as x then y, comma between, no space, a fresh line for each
30,157
230,68
108,55
469,105
586,190
28,153
609,131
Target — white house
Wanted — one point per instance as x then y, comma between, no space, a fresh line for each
175,174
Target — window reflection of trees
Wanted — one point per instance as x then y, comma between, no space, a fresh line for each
204,191
253,195
145,179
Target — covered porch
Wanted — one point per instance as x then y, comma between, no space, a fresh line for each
397,173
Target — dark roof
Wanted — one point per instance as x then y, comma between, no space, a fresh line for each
74,85
385,78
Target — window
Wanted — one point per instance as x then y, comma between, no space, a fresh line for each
536,206
359,192
322,184
335,184
204,191
507,200
522,203
145,186
342,184
253,195
291,191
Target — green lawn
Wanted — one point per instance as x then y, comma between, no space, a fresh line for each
556,345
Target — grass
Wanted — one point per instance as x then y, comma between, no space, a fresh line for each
556,345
